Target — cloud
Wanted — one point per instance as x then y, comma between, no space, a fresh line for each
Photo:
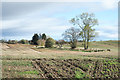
107,35
11,23
110,4
51,1
13,9
108,28
107,32
51,26
23,18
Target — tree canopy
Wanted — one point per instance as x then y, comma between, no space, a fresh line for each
35,38
85,22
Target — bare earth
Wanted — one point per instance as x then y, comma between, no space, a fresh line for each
27,51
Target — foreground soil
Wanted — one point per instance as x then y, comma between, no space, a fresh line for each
27,61
57,68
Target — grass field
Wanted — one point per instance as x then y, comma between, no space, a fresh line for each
27,61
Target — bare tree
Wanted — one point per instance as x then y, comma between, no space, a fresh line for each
60,43
72,35
86,21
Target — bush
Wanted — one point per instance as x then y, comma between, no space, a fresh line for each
3,41
41,42
60,43
73,45
12,41
49,43
24,41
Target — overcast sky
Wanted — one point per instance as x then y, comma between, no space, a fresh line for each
20,20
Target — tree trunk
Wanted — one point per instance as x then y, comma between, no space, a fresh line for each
85,47
85,44
88,37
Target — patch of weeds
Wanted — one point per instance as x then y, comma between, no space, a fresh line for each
87,65
73,50
50,63
112,70
107,76
104,69
103,72
110,62
59,71
86,51
10,70
29,72
79,74
42,72
108,70
50,75
17,63
5,69
116,70
105,66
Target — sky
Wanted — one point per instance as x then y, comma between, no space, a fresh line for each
20,20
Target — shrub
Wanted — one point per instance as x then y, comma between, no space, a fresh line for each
41,42
73,44
49,43
24,41
60,43
3,41
12,41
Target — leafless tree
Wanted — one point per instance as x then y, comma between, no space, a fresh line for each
72,35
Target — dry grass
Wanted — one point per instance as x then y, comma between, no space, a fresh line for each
29,51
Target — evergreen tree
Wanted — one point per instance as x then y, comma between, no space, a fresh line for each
44,36
40,36
35,38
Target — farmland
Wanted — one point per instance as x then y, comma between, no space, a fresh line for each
27,61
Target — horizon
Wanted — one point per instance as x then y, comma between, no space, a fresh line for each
22,19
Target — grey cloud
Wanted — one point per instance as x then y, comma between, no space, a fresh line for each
13,10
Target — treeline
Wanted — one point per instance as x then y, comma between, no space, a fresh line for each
41,40
23,41
36,39
46,41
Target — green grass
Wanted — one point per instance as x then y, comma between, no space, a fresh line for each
30,72
100,44
79,74
16,63
113,45
110,62
108,70
102,72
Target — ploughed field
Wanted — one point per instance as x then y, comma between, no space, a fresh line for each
27,61
60,68
76,68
